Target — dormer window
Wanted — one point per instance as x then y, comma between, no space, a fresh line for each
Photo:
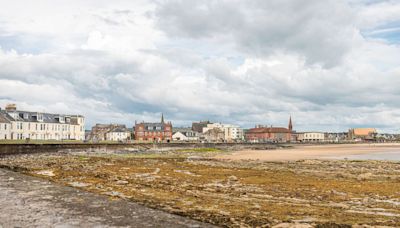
40,117
61,119
26,116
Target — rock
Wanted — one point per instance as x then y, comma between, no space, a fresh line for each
339,205
292,225
122,182
79,184
186,172
48,173
366,200
232,178
364,176
194,158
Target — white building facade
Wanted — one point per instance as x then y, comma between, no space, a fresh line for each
24,125
311,137
119,135
5,128
231,132
186,135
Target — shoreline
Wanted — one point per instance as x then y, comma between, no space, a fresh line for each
321,152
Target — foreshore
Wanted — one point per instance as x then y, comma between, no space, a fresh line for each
229,193
300,152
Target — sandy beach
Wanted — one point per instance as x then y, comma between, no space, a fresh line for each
299,152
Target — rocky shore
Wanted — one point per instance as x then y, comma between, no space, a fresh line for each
306,193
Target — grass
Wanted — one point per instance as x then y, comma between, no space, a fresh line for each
200,150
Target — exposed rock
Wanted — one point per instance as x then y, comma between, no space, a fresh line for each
339,205
122,182
292,225
364,176
79,184
49,173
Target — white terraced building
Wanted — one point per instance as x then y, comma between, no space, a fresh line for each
231,132
17,125
311,137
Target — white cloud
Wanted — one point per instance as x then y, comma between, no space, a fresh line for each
244,62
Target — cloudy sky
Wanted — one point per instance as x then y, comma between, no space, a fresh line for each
331,64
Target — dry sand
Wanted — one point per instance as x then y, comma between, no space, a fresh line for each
299,152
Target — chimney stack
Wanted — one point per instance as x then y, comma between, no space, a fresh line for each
11,107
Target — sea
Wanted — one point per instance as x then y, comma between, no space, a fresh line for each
383,156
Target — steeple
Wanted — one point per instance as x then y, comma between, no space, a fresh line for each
290,124
162,117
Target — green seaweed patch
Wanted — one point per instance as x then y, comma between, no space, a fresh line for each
200,150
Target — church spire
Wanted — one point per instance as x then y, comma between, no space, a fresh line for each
290,124
162,117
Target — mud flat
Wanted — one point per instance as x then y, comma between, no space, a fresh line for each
242,193
313,152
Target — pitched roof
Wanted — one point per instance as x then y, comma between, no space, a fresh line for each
154,126
119,130
363,131
24,116
4,117
268,130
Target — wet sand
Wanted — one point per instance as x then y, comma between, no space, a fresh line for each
299,152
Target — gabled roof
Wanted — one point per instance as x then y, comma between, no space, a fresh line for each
4,117
363,131
268,130
151,126
120,130
183,130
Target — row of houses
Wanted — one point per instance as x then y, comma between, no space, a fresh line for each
26,125
164,132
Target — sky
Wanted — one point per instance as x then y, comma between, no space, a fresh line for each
331,65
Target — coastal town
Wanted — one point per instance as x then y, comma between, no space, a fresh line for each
32,125
212,113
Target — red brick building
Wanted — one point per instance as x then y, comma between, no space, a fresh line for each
154,132
270,134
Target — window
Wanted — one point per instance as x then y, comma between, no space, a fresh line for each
40,117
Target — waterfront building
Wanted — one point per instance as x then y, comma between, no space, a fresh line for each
155,132
198,126
99,131
5,125
24,125
121,134
362,134
270,134
232,133
184,134
214,135
310,136
336,136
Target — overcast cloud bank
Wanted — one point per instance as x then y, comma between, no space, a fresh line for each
330,64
